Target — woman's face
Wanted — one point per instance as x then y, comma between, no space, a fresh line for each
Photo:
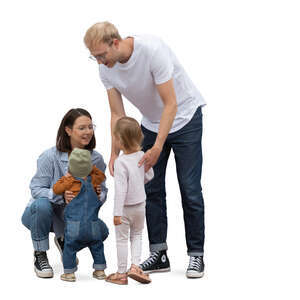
81,133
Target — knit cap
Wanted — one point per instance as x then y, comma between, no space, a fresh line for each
80,163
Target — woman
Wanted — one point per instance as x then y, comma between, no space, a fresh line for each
44,213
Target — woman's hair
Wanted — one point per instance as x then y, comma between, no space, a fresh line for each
104,32
129,132
63,142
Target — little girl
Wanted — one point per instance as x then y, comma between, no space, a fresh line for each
83,228
129,202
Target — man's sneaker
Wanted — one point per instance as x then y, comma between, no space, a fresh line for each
196,267
157,262
41,265
59,242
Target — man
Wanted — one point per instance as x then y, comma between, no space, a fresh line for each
147,73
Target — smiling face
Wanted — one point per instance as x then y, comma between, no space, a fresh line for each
81,133
107,54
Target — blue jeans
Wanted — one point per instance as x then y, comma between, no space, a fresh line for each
187,148
38,218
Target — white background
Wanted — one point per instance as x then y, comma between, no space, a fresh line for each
244,58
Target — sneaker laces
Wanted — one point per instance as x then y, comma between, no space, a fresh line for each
195,262
42,260
151,259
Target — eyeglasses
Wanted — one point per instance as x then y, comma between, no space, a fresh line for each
101,57
98,57
84,128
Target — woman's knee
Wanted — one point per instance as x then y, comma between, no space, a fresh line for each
42,208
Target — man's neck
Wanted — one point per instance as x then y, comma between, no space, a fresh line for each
127,49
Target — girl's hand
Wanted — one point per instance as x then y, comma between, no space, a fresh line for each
117,221
68,195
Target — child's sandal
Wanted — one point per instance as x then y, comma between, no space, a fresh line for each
137,274
117,278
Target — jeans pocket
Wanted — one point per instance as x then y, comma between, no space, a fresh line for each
99,230
72,228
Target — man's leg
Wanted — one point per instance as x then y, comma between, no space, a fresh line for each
186,144
156,210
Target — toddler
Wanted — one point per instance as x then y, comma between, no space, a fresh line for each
83,228
129,202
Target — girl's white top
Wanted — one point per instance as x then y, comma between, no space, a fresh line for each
130,180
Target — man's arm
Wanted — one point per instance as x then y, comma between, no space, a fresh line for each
117,111
168,97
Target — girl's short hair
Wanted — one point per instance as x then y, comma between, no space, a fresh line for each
130,133
63,142
103,32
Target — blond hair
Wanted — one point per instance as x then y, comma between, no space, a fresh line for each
104,32
130,133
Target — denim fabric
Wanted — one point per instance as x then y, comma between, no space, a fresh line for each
187,148
83,228
38,217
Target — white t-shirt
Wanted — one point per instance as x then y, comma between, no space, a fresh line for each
130,180
152,62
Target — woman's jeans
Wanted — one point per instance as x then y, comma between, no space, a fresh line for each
187,148
38,218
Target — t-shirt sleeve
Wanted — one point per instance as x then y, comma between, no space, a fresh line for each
104,79
161,64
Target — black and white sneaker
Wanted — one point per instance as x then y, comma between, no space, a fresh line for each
59,242
41,265
157,262
196,267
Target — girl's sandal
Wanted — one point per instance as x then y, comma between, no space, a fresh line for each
137,274
117,278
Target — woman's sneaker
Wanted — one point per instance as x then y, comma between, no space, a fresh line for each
41,265
157,262
196,267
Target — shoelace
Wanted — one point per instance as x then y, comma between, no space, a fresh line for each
151,259
43,260
195,263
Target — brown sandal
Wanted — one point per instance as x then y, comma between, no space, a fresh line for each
117,278
137,274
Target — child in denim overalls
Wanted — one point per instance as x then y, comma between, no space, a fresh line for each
83,228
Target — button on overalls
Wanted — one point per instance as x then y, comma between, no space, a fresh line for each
83,228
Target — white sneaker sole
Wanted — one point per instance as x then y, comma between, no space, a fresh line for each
158,271
195,274
43,274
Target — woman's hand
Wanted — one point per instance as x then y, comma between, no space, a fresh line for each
117,221
68,195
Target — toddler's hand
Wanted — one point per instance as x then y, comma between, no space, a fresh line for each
68,174
117,221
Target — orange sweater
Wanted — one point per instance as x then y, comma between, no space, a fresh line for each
71,184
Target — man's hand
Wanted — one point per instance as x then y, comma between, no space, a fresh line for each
150,157
68,195
117,221
111,164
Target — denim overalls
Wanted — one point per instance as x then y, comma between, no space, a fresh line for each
83,228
